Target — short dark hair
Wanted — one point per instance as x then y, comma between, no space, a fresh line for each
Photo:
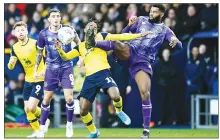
160,6
53,10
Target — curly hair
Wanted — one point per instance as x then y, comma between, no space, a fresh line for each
96,21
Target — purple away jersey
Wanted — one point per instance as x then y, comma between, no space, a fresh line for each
53,59
144,49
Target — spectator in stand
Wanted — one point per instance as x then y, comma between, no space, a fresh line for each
20,83
166,73
145,10
119,27
112,16
209,17
9,96
194,74
12,12
204,54
65,19
192,23
40,9
37,21
132,10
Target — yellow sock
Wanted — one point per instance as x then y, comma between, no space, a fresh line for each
33,121
87,120
37,112
118,105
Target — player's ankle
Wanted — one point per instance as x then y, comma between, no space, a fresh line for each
69,123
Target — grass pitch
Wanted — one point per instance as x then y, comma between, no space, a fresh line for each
118,133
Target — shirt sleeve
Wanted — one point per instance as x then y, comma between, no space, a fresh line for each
122,37
169,34
13,52
131,28
40,41
69,55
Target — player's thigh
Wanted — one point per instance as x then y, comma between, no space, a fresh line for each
51,79
67,78
143,81
110,87
122,50
27,91
37,91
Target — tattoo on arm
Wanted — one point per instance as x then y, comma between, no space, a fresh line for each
38,58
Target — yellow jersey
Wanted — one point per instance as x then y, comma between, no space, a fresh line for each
26,54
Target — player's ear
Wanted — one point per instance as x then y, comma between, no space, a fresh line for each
161,15
26,31
48,19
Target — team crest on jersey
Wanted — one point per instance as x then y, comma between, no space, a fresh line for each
158,30
27,61
49,39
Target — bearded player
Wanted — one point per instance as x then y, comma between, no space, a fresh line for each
140,53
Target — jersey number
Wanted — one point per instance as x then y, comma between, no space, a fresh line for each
38,87
71,79
109,79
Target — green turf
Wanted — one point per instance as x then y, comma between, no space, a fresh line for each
119,133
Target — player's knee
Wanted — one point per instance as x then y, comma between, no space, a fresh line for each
145,93
83,111
69,99
47,99
31,108
116,98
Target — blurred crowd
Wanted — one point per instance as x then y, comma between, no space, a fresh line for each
183,19
200,71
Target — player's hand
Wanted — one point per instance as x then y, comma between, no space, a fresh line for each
36,75
173,41
80,62
132,20
41,74
146,33
12,60
128,89
57,44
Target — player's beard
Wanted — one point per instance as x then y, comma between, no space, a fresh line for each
155,20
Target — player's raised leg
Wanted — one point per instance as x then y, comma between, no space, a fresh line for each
117,102
87,117
143,81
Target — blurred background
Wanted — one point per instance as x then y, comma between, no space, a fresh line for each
184,89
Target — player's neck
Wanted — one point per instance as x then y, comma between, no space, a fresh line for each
24,41
54,28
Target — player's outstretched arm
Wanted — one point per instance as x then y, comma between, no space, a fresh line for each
125,36
66,56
